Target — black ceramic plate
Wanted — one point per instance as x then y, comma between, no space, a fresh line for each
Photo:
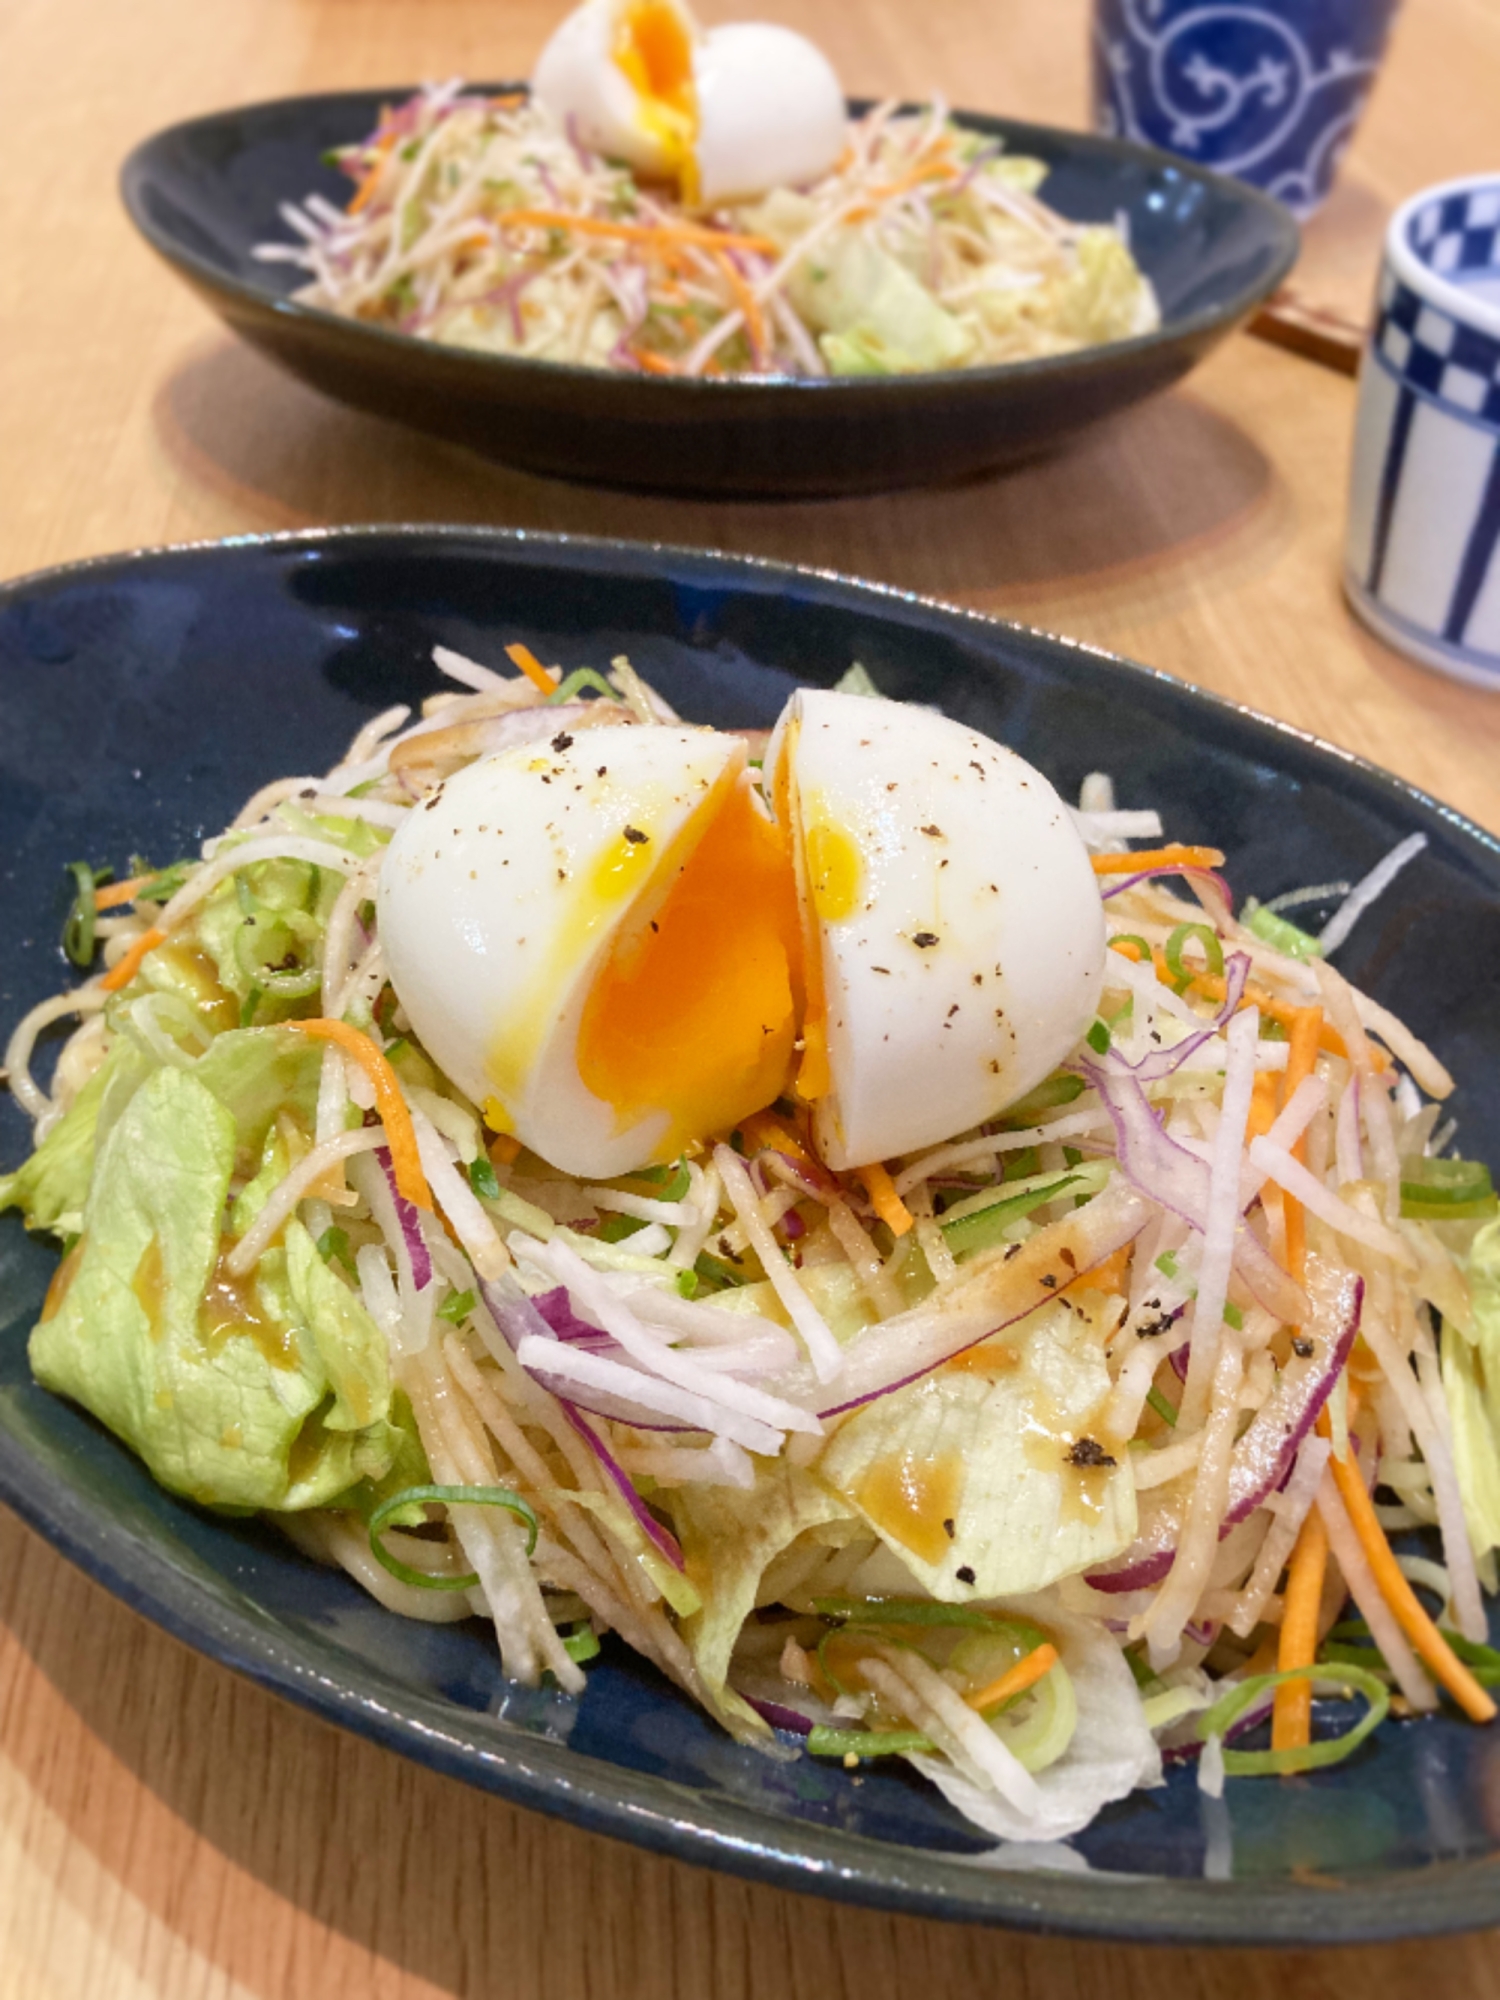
204,193
142,699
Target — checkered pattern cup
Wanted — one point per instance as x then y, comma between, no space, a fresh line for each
1422,555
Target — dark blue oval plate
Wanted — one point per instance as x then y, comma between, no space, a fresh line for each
143,698
204,193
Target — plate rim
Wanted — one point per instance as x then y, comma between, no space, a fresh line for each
831,389
666,1815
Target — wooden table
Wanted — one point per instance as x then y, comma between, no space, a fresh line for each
166,1830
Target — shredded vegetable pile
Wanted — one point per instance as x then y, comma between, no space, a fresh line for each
1070,1446
480,222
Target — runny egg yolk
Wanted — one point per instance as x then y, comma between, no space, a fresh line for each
695,1010
654,49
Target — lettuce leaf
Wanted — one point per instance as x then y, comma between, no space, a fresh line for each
51,1187
730,1538
983,1447
1112,1752
271,1395
1471,1387
873,317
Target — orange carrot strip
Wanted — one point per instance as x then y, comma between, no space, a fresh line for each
654,364
531,667
1111,1275
745,299
1212,987
411,1182
1291,1716
661,233
122,974
1015,1680
931,170
1127,947
884,1199
1262,1105
366,187
110,898
505,1149
1399,1595
762,1131
1173,856
1303,1034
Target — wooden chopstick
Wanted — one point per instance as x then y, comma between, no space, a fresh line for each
1287,320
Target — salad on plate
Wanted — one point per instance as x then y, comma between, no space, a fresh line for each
672,201
933,1278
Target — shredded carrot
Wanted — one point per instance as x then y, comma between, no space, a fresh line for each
1173,856
1399,1595
122,974
531,667
1304,1031
745,299
1111,1275
1263,1659
931,170
1262,1105
654,364
1291,1716
110,898
884,1199
1024,1674
1212,986
763,1132
411,1182
663,234
1127,947
505,1149
509,102
372,174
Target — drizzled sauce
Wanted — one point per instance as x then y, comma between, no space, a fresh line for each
1049,1437
229,1309
62,1281
909,1498
150,1285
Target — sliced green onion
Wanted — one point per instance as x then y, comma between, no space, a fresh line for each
1213,952
925,1611
1484,1661
671,1183
615,1228
1219,1719
457,1307
1234,1317
334,1243
687,1284
1161,1406
1166,1263
823,1742
1279,934
447,1496
581,677
250,1005
1046,1096
78,930
483,1179
1447,1190
1098,1038
716,1272
581,1644
980,1229
1022,1166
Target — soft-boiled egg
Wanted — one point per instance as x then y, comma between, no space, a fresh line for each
954,932
613,946
726,114
596,939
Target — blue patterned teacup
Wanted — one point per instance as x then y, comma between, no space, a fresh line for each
1422,555
1270,93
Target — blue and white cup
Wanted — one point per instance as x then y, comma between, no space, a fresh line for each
1422,554
1269,92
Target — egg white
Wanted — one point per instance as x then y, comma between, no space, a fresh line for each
970,955
500,897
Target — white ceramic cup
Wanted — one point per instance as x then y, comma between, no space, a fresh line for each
1422,552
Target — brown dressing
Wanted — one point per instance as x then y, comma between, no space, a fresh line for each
1048,1438
984,1360
62,1281
229,1308
909,1499
196,978
150,1285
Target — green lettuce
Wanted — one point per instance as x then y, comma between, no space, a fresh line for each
730,1537
970,1464
272,1394
873,317
51,1187
1471,1387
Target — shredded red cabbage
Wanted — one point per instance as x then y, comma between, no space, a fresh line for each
659,1535
410,1223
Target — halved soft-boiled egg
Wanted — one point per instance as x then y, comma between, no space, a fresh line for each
615,949
597,939
731,113
954,936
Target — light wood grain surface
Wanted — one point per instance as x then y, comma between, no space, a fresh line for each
168,1831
